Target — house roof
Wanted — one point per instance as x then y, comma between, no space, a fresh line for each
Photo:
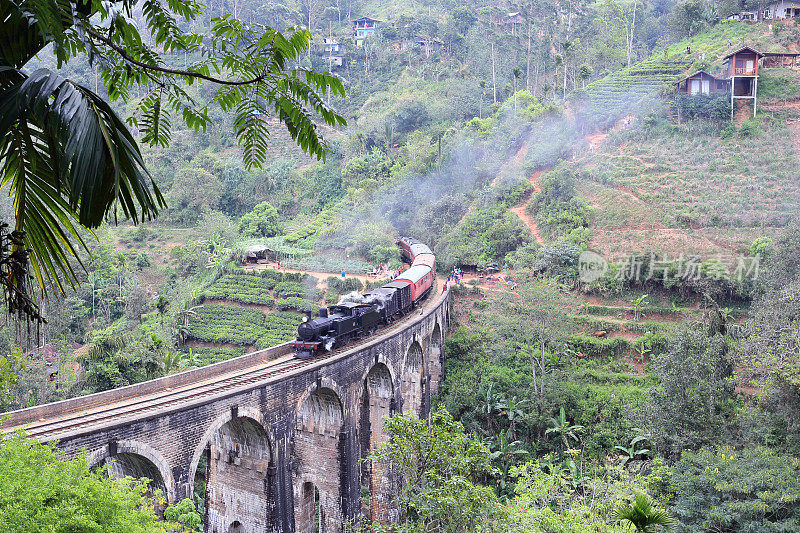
366,19
742,49
692,75
257,248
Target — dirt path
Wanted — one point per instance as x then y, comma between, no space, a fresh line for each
321,276
521,210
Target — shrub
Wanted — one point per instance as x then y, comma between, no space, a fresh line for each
262,221
704,105
243,326
242,288
595,347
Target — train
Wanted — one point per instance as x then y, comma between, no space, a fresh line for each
340,324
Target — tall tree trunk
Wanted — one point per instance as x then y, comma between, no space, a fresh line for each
631,35
494,79
528,60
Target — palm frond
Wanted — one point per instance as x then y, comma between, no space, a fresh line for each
68,160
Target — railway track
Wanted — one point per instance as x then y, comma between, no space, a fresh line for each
184,396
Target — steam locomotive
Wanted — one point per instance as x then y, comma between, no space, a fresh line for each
342,323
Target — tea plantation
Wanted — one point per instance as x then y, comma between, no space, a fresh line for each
242,326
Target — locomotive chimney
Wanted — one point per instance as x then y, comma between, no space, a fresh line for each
323,312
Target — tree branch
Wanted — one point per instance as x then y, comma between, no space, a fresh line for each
177,72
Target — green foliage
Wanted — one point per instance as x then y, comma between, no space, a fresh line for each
324,263
115,359
724,489
262,221
296,304
781,86
243,326
40,490
711,106
749,128
559,260
594,347
208,355
442,466
185,514
558,209
242,288
693,402
322,221
482,237
643,516
69,158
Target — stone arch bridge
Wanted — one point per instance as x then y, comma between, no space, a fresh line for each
277,441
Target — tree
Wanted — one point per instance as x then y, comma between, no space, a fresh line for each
262,221
70,160
40,490
194,192
754,488
441,465
563,428
537,318
644,517
691,405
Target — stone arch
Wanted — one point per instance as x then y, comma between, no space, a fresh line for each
138,460
310,510
220,421
435,358
317,457
239,476
411,380
377,403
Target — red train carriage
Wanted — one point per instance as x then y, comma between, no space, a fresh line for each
428,260
421,279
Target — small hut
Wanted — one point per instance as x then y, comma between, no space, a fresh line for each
701,82
258,253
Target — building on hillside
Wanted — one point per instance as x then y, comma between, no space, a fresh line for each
741,67
429,45
777,10
701,82
783,9
331,51
739,76
331,45
781,60
364,27
743,15
515,20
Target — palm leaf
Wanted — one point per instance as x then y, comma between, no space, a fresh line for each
68,160
643,516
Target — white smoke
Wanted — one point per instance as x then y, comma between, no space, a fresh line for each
358,298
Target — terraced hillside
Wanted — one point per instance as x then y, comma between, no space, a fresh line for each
622,89
246,310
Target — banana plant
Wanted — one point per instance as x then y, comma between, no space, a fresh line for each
562,427
573,476
505,453
631,452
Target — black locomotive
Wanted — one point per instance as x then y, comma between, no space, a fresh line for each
342,323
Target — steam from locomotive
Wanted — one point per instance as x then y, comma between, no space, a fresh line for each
359,315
